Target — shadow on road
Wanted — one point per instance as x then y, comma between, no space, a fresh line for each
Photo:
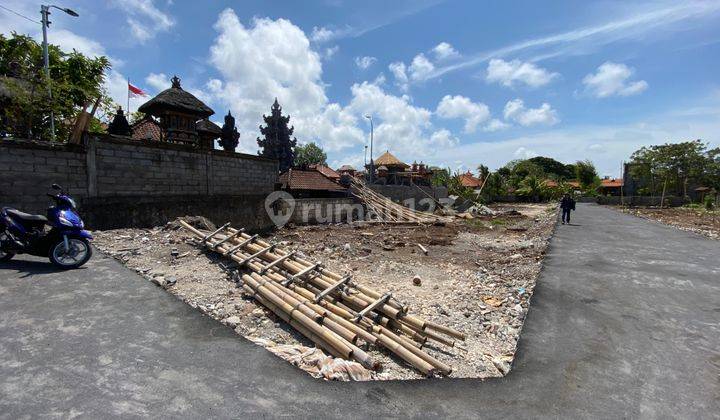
28,268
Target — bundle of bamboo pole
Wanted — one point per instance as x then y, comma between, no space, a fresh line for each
387,211
336,313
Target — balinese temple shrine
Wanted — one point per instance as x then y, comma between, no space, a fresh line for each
173,116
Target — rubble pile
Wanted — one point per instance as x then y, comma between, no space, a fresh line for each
334,311
476,276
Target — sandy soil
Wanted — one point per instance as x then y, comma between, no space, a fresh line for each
477,277
700,221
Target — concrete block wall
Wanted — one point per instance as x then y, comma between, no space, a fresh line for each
29,169
250,175
126,169
401,193
312,211
110,175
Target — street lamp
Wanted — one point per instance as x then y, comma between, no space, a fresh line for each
372,166
45,12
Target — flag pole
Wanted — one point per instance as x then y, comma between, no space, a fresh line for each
128,103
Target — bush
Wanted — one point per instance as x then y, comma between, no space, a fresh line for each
709,204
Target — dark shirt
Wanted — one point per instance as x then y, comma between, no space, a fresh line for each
567,203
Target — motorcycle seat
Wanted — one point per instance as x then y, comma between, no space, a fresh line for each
26,216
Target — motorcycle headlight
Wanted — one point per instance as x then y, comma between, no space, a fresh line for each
64,221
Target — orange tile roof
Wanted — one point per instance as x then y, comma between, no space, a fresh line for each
301,179
550,183
468,180
326,171
611,183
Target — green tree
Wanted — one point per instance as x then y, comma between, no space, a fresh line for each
310,154
483,171
552,167
585,173
533,188
76,81
673,166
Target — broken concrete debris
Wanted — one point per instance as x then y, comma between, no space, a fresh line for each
466,261
335,312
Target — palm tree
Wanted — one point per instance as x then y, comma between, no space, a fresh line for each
532,187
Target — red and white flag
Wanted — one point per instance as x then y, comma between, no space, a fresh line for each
135,91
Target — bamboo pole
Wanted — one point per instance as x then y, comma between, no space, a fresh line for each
327,322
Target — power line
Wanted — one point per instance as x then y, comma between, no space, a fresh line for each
19,14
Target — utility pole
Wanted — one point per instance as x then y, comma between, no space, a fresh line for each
372,166
44,13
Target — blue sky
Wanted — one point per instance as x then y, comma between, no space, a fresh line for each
452,83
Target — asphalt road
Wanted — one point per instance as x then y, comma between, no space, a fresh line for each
624,323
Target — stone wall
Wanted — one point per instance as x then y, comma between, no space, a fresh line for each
121,182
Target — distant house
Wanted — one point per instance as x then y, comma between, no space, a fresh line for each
611,186
470,181
306,183
573,184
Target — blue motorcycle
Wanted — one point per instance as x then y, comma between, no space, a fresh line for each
59,236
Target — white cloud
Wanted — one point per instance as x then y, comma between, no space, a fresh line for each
256,69
612,79
158,81
321,34
515,110
524,153
445,51
144,18
399,125
458,106
496,125
330,52
399,72
365,62
443,138
510,73
420,68
640,25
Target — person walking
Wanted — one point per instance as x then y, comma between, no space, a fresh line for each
567,204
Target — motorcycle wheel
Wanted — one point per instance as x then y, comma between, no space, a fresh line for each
79,253
5,256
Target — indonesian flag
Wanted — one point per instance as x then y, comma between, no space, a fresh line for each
135,91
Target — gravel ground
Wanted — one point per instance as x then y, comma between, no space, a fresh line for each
477,277
700,221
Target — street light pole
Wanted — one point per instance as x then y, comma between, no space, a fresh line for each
372,166
44,13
